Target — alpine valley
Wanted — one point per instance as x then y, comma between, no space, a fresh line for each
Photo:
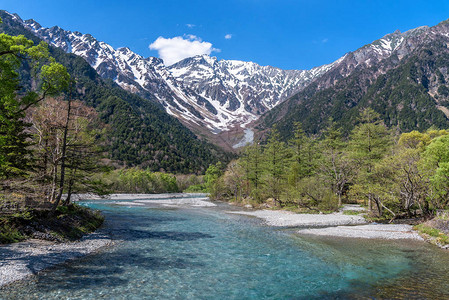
202,178
402,76
207,95
139,132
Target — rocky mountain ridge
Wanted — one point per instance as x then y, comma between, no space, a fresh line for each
219,96
201,91
137,132
403,76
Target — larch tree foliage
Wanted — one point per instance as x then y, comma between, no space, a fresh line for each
277,160
17,52
335,166
369,142
304,155
251,163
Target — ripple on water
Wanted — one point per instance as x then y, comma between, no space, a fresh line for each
205,253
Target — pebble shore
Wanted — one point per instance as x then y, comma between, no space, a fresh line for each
371,231
336,224
281,218
24,259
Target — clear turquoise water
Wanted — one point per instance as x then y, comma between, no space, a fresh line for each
204,253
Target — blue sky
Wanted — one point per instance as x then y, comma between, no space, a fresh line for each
289,34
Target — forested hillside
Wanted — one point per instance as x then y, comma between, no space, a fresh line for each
408,89
139,132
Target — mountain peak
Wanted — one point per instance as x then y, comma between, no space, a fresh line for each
33,24
201,90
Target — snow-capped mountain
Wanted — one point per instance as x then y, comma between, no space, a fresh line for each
403,76
204,92
200,90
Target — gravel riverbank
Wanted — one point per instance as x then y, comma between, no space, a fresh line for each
23,259
167,200
371,231
281,218
336,224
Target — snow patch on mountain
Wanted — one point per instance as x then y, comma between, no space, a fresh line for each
199,90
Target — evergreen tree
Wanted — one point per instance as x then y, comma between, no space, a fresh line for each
251,162
304,155
335,166
368,144
277,160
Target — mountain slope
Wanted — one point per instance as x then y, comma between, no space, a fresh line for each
201,91
402,76
140,131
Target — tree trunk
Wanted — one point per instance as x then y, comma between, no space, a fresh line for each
53,183
63,157
69,192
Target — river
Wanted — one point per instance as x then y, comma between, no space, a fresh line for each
205,253
247,138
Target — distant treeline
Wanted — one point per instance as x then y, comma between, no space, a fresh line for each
136,180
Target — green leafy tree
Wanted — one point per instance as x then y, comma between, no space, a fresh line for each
16,52
435,167
213,181
396,185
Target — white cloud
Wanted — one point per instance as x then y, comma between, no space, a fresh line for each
228,36
190,25
324,41
172,50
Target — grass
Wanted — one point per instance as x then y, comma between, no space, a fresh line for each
197,188
10,227
9,234
435,236
78,221
351,212
69,222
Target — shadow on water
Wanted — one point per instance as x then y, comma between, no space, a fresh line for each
111,267
134,235
98,271
131,227
141,219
